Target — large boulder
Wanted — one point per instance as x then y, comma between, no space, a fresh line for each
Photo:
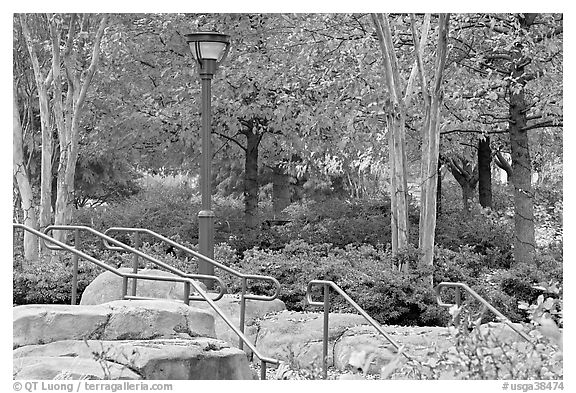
298,335
108,286
230,306
117,320
177,359
352,342
49,367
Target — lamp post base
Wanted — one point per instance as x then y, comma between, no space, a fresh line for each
206,244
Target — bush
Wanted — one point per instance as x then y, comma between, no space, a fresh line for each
485,354
49,281
485,231
364,272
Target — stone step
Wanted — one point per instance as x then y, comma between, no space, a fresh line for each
107,287
175,359
117,320
296,337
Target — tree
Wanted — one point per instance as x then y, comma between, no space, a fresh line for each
484,172
515,88
69,97
68,94
23,182
431,139
395,120
466,174
43,80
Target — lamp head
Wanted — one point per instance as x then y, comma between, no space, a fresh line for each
209,49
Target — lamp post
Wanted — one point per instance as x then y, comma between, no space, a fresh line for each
209,50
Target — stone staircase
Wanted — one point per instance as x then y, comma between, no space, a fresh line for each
106,338
122,340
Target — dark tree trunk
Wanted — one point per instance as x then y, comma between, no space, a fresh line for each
280,190
467,195
524,233
525,240
467,176
251,179
484,172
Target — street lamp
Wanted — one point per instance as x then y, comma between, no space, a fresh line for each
209,50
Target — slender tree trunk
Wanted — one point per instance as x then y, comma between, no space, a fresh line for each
67,113
439,191
399,186
251,179
396,118
280,190
24,187
484,172
431,142
42,83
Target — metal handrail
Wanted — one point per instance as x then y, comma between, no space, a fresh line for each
475,295
326,303
243,277
263,359
134,251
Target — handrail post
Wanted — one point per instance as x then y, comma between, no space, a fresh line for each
262,370
242,310
124,287
325,338
135,261
458,297
75,267
187,293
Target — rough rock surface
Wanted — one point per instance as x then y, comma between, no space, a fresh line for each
177,359
118,320
108,287
50,367
230,305
352,342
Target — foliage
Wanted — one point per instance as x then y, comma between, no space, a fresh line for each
492,353
169,211
364,272
486,231
48,281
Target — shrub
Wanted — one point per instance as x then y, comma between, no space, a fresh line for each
49,281
364,272
485,231
486,354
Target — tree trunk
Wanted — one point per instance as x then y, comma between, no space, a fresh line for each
24,187
467,196
524,239
439,191
67,114
524,233
280,190
467,177
484,172
431,143
396,118
42,83
399,187
251,179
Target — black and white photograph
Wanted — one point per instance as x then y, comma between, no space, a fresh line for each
291,196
